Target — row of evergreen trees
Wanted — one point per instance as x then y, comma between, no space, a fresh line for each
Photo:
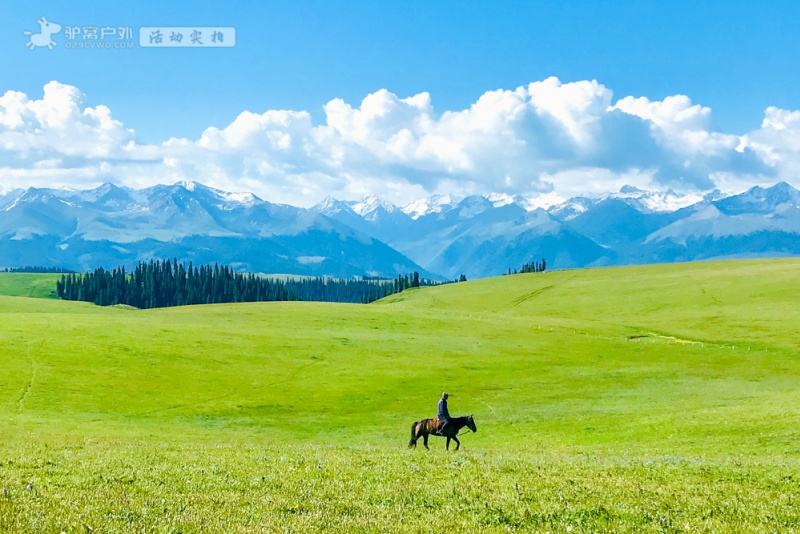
532,267
36,269
364,290
159,284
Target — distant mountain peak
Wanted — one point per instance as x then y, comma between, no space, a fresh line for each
630,189
502,199
372,203
473,205
785,188
189,185
656,201
761,200
331,206
433,204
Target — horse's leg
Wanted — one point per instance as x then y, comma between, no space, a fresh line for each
425,440
448,444
458,443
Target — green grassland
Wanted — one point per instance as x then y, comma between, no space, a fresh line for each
639,399
28,285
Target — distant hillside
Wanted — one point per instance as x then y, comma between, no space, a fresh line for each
653,360
28,285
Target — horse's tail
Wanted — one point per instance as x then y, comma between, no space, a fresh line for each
413,433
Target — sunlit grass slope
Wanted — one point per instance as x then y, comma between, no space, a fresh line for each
658,398
679,356
28,285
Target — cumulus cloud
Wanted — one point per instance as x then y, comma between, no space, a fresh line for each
546,137
58,123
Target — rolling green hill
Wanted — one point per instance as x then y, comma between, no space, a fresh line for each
675,378
28,285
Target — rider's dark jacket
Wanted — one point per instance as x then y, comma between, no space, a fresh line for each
442,412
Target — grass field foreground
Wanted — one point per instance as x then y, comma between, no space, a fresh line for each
637,399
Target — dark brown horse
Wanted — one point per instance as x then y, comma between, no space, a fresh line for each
430,427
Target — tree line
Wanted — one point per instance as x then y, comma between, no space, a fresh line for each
364,290
532,267
36,269
165,283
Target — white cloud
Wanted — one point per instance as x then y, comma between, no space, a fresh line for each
57,125
596,181
778,142
546,137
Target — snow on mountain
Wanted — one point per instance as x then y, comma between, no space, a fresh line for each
241,199
370,206
544,201
526,202
657,201
444,203
761,200
187,184
10,198
473,206
644,201
476,235
108,226
494,240
573,207
37,212
432,204
711,196
501,199
330,206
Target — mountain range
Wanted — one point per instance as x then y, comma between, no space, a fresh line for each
110,226
441,236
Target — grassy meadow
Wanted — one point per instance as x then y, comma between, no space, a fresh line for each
638,399
28,285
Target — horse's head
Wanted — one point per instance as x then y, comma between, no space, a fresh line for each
48,27
471,424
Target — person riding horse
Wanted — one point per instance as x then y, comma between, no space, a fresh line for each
442,412
442,425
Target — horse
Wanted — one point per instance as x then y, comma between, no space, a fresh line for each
430,427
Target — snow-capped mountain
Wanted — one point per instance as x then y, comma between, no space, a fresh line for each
372,215
757,222
110,225
439,235
776,199
573,207
330,206
371,207
432,204
484,235
656,201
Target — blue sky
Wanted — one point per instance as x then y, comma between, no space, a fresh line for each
734,58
